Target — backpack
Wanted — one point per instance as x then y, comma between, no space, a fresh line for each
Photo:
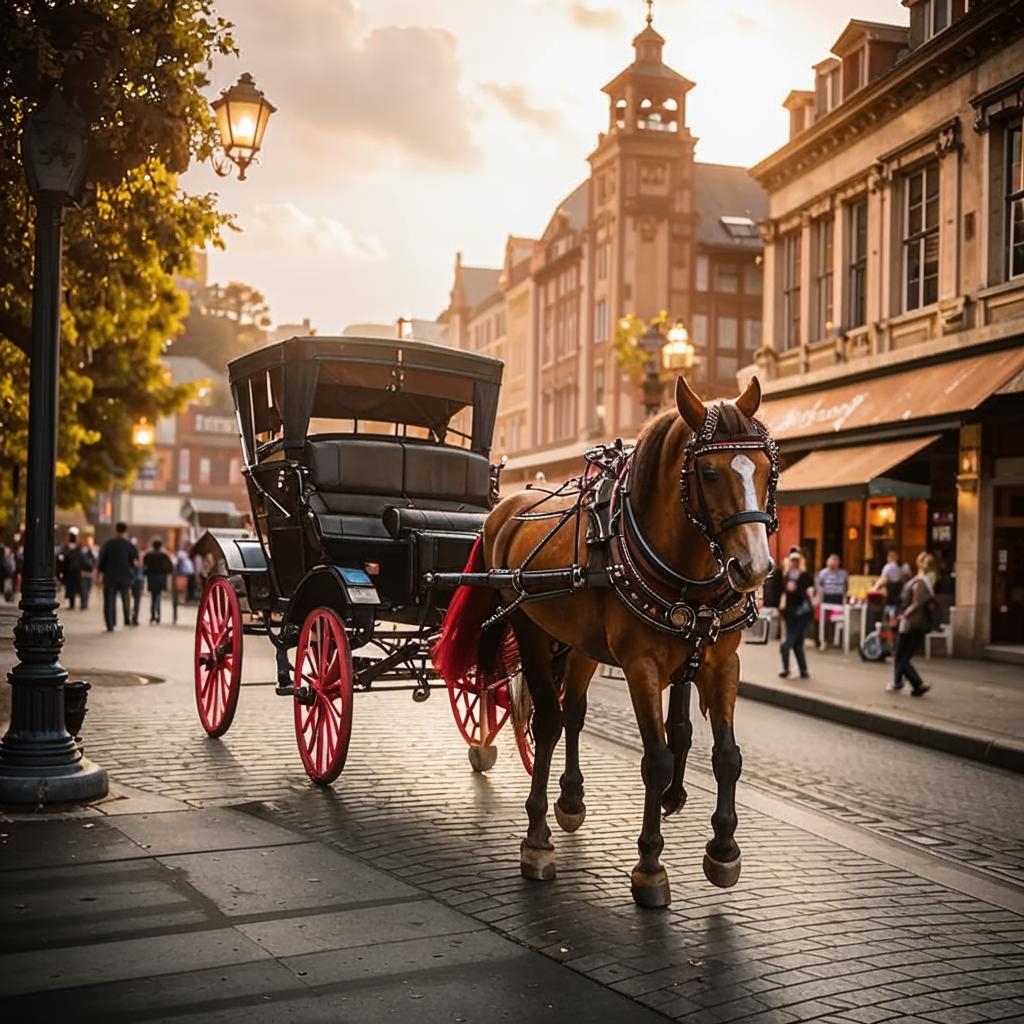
73,561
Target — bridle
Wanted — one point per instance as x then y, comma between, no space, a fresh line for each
694,500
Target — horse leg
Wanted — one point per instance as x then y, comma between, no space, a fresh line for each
679,731
537,854
722,855
570,811
649,880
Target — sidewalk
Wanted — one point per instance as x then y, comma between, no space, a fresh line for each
975,709
145,907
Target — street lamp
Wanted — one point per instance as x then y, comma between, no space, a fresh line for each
242,115
651,342
678,353
39,761
143,433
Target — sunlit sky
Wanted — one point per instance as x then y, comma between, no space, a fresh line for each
409,129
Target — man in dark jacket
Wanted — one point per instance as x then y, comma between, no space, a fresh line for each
118,559
157,566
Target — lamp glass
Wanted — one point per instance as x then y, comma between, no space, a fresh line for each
242,115
54,146
143,434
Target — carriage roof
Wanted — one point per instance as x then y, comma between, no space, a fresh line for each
279,388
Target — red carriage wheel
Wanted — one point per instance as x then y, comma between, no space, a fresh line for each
323,701
480,711
522,722
218,655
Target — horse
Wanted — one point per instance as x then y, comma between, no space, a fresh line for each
678,588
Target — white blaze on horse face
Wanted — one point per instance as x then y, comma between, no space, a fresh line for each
744,468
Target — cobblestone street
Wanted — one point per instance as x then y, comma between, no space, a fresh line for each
842,913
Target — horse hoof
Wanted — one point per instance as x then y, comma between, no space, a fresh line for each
650,891
537,865
722,874
569,822
482,758
672,803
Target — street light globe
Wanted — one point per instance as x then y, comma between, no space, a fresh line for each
678,333
54,147
143,433
678,352
242,115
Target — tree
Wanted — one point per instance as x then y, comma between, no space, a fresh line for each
628,354
136,70
224,321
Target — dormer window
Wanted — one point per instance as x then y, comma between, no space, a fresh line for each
828,91
740,227
930,17
855,71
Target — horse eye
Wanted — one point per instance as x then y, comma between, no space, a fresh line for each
710,474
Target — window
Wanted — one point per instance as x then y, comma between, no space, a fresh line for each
751,335
601,321
855,68
739,227
790,279
921,237
204,471
235,471
822,242
937,15
1014,200
726,365
727,332
184,466
753,279
602,262
699,332
857,266
703,273
727,278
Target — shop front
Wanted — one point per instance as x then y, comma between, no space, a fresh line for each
929,459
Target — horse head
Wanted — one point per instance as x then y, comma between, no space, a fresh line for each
728,480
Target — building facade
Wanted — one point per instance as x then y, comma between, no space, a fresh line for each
893,354
650,229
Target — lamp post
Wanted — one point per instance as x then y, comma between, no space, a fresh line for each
675,355
39,761
242,115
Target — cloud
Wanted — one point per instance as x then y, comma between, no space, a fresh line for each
331,76
513,98
285,226
600,18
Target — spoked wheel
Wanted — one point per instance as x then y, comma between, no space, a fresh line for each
218,655
522,719
323,695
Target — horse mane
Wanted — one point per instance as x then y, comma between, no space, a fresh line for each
668,432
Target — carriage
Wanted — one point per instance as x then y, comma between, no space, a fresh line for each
368,472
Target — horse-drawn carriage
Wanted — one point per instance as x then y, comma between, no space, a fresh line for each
374,502
367,465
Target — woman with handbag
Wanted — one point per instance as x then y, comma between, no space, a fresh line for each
915,620
797,611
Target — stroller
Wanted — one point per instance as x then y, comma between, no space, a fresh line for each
878,643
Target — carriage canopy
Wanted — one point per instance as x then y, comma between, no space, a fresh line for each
286,391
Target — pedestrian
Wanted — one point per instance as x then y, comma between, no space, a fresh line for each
8,571
88,576
915,619
797,610
119,558
157,567
185,568
831,585
69,567
891,581
138,582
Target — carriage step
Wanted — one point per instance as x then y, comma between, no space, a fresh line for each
303,694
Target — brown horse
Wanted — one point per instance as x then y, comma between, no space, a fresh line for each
678,585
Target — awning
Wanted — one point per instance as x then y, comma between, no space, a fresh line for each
895,398
844,474
193,508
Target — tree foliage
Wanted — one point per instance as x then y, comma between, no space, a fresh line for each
136,70
224,321
628,353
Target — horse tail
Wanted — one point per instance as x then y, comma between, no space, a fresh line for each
462,644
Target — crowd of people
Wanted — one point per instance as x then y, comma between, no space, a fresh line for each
909,599
118,567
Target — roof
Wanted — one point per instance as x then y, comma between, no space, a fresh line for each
189,369
575,208
478,283
648,69
798,98
858,29
724,190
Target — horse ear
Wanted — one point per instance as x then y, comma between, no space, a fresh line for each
750,400
690,407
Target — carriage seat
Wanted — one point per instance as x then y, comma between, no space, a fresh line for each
401,521
355,479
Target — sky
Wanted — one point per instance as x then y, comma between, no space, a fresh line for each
407,130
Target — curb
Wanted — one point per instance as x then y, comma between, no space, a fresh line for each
998,751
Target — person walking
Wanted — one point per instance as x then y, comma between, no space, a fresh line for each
184,567
69,567
913,624
118,560
797,607
157,567
890,581
138,583
88,576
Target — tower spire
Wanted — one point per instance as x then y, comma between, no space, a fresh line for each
650,11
